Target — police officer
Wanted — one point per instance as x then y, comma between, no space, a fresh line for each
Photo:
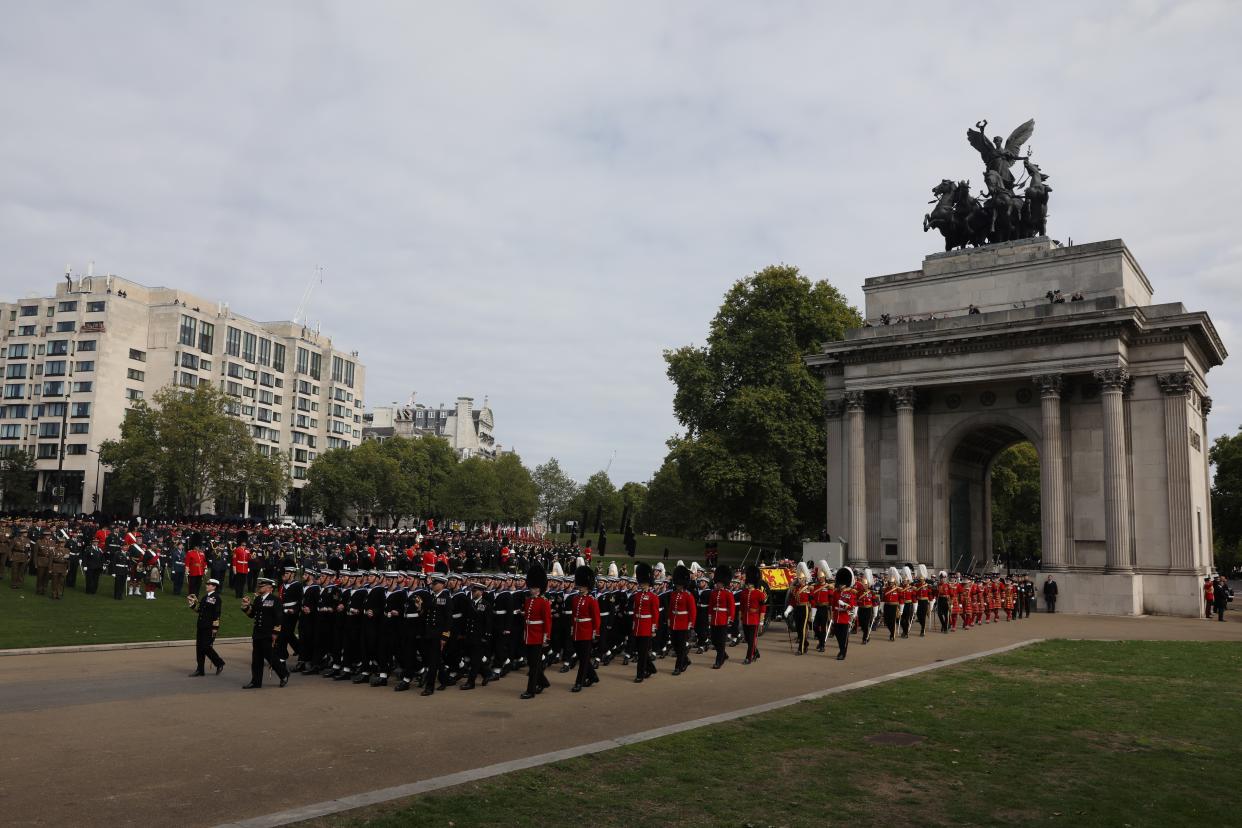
208,610
268,615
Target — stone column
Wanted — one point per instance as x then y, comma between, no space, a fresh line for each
1177,388
1205,552
857,536
1113,383
907,482
1051,475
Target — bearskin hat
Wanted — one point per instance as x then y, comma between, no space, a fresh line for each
536,577
243,536
642,574
752,575
681,576
584,576
724,575
845,577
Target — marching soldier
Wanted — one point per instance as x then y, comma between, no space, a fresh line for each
823,596
537,615
195,564
19,559
267,614
892,601
681,613
58,569
843,610
923,595
646,613
290,598
478,635
907,600
6,546
241,565
436,633
753,605
865,597
92,565
586,626
722,609
799,597
42,562
208,610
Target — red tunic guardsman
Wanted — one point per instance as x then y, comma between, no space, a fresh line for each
754,604
537,612
646,612
682,611
722,608
843,609
586,626
241,567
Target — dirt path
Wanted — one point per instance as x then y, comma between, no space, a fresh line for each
125,738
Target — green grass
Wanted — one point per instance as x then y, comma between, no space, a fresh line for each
1062,733
29,620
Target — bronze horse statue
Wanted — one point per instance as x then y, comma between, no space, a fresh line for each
957,215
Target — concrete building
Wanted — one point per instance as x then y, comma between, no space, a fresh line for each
467,429
975,352
74,362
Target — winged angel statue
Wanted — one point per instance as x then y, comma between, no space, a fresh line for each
998,214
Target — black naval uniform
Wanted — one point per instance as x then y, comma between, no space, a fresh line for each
435,636
267,614
208,610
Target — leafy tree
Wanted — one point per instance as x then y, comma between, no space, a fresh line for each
598,494
186,447
516,493
471,492
330,482
753,410
18,478
1226,456
632,495
1015,504
670,507
556,492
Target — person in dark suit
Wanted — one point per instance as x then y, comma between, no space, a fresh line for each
1221,595
1050,594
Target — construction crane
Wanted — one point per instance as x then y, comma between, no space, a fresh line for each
316,278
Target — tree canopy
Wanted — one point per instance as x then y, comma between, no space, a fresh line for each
1226,456
17,481
1015,504
753,410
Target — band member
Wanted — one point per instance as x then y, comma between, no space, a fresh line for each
722,608
923,595
823,597
907,600
681,611
892,601
267,614
537,612
843,609
865,596
646,612
800,603
753,605
208,610
944,600
586,626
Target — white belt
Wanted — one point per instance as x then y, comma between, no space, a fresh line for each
501,612
412,615
291,604
644,616
532,622
582,620
680,612
457,615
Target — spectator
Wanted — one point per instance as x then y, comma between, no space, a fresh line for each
1050,594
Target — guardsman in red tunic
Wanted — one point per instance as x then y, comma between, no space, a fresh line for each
865,597
823,596
923,596
722,608
843,609
799,598
538,621
1209,596
429,561
754,603
241,565
892,601
646,612
584,612
195,564
944,601
955,604
682,612
907,600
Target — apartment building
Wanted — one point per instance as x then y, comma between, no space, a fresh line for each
467,429
74,362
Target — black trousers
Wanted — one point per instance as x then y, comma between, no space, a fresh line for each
287,639
890,618
92,581
907,615
194,584
204,649
800,618
681,648
119,577
239,585
1220,610
262,650
646,665
477,650
535,679
866,616
71,578
920,614
582,649
178,579
431,660
720,636
942,613
841,632
1051,603
751,632
820,625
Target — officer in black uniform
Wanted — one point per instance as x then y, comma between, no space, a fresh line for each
119,562
267,614
208,610
417,599
478,634
93,563
436,633
291,605
312,586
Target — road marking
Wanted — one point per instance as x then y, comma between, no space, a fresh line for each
348,803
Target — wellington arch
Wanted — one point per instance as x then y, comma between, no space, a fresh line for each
971,354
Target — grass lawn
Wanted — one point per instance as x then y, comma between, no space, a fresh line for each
1061,733
29,620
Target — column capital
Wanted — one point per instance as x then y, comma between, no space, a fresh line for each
1049,384
1112,379
902,396
855,400
1179,383
833,409
1206,405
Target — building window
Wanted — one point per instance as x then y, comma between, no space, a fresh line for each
53,389
206,337
65,327
14,412
54,368
50,310
94,307
49,429
58,347
303,361
234,370
247,410
135,354
265,352
11,431
316,364
19,351
15,370
30,310
250,375
27,330
232,342
84,365
189,361
86,345
278,357
66,307
204,364
47,451
82,387
133,394
80,409
79,428
189,331
187,380
349,374
75,448
135,374
51,410
233,389
249,345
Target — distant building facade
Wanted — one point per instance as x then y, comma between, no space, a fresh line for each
469,430
75,362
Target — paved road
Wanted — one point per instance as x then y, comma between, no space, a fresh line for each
125,738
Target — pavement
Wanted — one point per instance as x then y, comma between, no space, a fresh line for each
114,738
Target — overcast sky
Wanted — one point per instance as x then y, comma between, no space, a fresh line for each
530,201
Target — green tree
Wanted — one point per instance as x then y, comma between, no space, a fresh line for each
187,447
516,493
471,492
1226,456
1015,504
17,481
670,507
633,496
598,494
556,492
329,483
753,410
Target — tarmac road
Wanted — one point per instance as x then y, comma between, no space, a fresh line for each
125,738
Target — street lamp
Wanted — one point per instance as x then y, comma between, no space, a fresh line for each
98,463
